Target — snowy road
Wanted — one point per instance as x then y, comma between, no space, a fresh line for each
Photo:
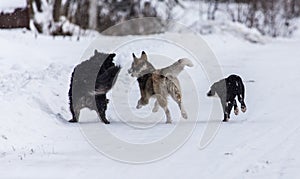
36,143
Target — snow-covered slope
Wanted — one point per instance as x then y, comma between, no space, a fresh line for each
36,142
11,5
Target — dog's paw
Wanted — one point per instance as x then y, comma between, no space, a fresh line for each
73,121
138,106
236,111
244,109
169,122
184,115
226,120
106,122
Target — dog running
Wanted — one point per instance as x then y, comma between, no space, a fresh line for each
228,89
159,83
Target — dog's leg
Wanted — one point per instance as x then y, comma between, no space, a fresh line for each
241,95
101,104
156,105
175,91
139,104
143,101
75,114
225,110
236,108
243,105
168,115
177,96
230,105
162,101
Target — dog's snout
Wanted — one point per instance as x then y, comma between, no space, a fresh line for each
209,94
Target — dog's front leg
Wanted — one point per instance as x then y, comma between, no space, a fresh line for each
139,104
156,106
142,102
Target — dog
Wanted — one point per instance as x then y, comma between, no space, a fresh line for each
228,89
159,83
90,81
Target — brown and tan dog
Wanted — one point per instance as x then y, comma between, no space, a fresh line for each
159,83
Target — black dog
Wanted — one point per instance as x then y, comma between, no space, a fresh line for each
90,82
227,89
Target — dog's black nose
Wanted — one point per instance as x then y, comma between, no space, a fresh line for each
209,93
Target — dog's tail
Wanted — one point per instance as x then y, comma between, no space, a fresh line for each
177,67
187,62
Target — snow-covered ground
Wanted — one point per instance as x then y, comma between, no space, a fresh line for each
36,142
11,5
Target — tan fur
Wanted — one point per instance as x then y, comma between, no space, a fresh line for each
160,84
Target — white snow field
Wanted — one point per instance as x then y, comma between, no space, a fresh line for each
37,142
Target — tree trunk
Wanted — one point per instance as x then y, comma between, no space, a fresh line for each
93,14
56,10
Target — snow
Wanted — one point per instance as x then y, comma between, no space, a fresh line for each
37,142
8,6
196,20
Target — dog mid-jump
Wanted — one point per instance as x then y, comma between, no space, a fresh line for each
159,83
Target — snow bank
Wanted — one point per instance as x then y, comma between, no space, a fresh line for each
194,16
7,6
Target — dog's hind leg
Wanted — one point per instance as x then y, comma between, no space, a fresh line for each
236,108
101,105
162,101
177,97
75,114
179,102
241,95
243,105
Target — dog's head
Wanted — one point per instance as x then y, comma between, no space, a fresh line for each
211,93
218,89
213,90
140,66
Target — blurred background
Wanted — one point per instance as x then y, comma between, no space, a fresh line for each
272,18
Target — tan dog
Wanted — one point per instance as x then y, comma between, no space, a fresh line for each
159,83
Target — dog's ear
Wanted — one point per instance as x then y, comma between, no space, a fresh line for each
112,55
133,55
95,52
144,56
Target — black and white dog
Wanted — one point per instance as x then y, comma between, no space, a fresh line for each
90,82
228,89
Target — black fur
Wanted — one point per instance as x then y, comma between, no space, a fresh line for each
90,82
143,80
228,89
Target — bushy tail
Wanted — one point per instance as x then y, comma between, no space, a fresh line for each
186,62
176,68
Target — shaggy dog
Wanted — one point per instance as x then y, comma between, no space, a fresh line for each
228,89
158,83
90,82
